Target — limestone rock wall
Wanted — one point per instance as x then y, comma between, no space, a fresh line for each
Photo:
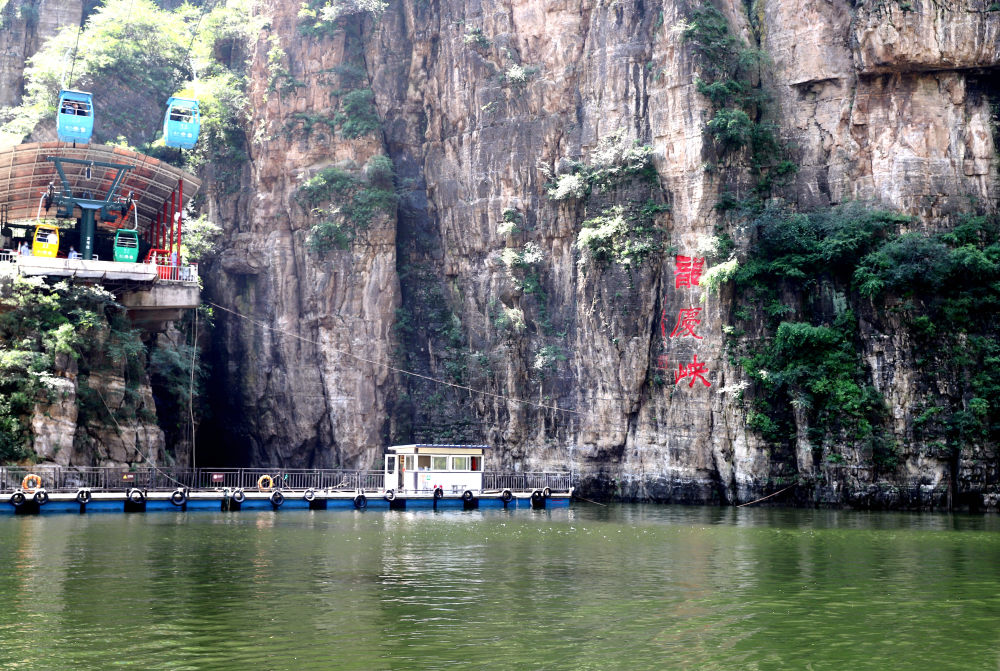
24,26
481,104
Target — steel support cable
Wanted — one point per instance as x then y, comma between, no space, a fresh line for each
395,369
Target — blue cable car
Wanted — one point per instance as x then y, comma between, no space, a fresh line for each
75,117
181,123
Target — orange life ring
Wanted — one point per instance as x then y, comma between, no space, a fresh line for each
31,482
261,487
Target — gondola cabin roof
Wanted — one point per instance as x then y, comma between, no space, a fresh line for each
420,448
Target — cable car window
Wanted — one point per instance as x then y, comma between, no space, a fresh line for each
459,463
423,462
440,463
477,463
408,462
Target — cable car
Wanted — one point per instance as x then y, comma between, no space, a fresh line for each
45,241
181,123
75,117
126,245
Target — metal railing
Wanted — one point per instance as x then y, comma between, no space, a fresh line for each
527,481
173,273
164,272
71,478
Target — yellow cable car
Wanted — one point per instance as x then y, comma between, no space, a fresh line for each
46,241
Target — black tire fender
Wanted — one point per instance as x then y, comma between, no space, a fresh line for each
17,499
467,495
178,497
360,502
390,494
41,497
239,496
83,496
135,495
438,493
277,498
506,496
309,494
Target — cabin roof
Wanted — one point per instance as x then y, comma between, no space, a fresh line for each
432,447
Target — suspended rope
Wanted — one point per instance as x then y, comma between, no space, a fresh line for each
421,376
72,66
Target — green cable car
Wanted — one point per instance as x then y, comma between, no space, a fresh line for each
127,245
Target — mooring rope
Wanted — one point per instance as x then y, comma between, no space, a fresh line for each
750,503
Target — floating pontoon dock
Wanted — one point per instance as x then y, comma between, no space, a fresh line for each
50,489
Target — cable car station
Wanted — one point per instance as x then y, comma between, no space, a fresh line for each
99,214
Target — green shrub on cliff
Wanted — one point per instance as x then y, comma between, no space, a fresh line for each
731,80
944,287
43,329
319,18
344,204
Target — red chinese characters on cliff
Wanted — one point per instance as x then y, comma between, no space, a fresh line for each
687,320
695,370
688,271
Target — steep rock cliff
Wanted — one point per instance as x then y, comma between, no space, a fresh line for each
533,265
484,108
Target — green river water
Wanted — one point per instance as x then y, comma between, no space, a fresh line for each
618,587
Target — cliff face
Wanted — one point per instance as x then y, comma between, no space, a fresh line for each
555,196
478,279
26,24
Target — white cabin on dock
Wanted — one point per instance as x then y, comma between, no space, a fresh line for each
423,468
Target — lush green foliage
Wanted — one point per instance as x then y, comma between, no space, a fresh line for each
945,287
319,18
43,328
345,204
731,74
623,230
357,115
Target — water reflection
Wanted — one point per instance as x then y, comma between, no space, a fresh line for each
589,587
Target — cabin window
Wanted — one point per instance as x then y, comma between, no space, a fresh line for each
390,464
477,463
423,462
408,462
459,463
440,463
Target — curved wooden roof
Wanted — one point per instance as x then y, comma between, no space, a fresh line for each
25,175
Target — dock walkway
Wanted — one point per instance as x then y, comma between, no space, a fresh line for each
52,488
